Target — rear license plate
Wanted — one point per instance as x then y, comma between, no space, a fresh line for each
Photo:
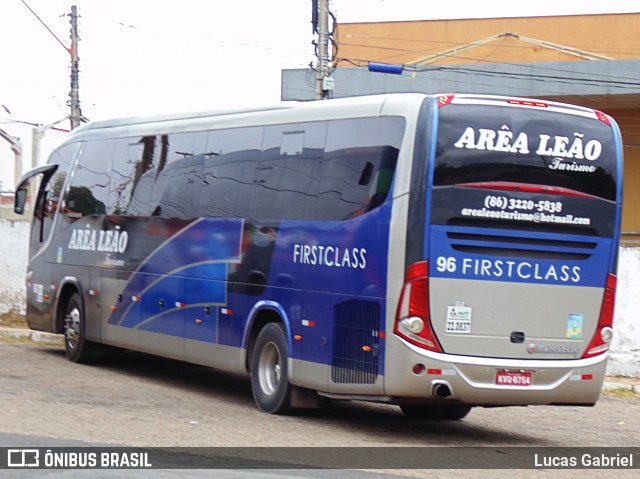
514,378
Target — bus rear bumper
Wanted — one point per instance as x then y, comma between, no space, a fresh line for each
424,376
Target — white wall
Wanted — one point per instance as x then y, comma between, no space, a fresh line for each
625,350
14,237
50,140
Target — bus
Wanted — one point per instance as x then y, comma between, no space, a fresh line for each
434,252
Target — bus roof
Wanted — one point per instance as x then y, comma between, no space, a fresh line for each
370,105
352,102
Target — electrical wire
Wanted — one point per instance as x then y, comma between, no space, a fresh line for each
45,26
404,52
512,85
596,79
630,85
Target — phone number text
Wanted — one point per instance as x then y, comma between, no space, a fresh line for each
515,204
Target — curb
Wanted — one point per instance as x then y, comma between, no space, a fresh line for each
610,383
37,336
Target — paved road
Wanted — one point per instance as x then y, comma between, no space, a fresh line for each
138,400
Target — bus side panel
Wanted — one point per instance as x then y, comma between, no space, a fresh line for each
194,290
40,299
329,279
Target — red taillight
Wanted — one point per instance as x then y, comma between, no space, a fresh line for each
538,104
412,319
444,100
603,117
602,337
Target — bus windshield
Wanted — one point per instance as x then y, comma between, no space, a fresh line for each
503,144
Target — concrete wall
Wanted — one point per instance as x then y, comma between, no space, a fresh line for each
585,83
625,350
14,237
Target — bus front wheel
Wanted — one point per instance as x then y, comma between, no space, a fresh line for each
78,348
269,372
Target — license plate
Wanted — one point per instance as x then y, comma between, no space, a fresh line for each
514,378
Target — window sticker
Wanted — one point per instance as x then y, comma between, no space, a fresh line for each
574,326
38,291
458,319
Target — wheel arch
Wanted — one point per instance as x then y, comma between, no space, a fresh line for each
261,314
67,287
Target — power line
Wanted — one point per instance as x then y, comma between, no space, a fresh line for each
596,79
404,52
632,85
547,79
45,26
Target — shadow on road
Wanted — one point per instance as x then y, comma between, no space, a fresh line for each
375,420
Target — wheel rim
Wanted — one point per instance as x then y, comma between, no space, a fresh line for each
269,369
72,326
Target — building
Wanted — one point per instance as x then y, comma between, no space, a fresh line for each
589,60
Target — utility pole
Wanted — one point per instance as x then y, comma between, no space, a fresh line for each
16,148
74,94
323,81
36,136
74,101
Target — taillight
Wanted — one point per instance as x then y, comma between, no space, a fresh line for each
412,319
604,332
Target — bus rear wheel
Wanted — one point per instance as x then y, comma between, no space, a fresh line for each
433,412
269,372
78,348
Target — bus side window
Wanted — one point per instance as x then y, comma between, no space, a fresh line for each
287,178
54,189
88,191
229,173
178,186
359,163
133,176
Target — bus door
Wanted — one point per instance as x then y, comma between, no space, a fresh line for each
47,195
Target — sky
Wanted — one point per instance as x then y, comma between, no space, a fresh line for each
140,57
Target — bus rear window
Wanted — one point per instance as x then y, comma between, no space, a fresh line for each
478,144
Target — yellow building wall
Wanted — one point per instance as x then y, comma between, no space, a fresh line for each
613,36
628,121
631,198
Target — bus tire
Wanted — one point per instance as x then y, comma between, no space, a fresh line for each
434,412
269,371
78,348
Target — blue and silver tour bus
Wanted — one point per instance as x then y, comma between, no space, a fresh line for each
435,252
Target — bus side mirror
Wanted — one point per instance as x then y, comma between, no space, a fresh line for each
20,200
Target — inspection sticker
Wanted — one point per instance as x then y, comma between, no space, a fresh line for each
458,319
574,326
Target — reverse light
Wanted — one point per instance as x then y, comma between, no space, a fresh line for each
413,324
604,333
412,319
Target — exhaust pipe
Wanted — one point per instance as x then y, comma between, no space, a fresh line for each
441,389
